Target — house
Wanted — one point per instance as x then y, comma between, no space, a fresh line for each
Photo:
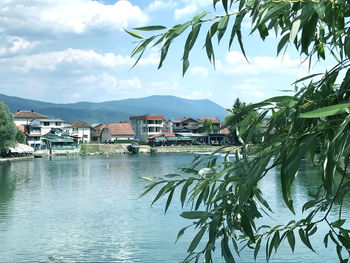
33,135
46,125
25,117
186,126
147,125
117,131
35,125
80,130
57,141
96,132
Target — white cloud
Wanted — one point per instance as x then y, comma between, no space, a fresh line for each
249,91
14,45
133,83
185,11
68,16
74,58
199,71
160,4
102,80
235,63
191,6
197,95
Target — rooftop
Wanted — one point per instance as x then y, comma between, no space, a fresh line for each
79,124
147,117
213,120
28,114
123,128
184,119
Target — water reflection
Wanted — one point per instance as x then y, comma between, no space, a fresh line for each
87,209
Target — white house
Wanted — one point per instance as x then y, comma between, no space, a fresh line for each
81,130
47,125
147,125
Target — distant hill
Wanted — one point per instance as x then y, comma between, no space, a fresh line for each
119,110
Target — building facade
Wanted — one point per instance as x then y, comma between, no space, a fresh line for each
80,130
147,125
117,131
186,126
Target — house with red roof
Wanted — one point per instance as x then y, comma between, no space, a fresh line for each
22,117
147,125
117,131
186,126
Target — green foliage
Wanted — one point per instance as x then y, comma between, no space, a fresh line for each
239,118
8,129
208,126
20,137
312,125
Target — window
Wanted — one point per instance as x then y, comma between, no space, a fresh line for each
85,136
46,123
58,123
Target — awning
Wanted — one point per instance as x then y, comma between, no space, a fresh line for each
59,139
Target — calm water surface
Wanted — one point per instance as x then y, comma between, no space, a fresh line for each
86,209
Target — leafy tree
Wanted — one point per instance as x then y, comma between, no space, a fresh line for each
20,137
208,128
237,122
311,125
8,129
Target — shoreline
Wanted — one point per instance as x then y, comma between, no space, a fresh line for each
115,149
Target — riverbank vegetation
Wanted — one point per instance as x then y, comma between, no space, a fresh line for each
311,126
8,130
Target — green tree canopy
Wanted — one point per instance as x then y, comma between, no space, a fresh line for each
311,125
207,126
20,137
8,129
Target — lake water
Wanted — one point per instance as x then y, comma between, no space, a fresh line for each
86,209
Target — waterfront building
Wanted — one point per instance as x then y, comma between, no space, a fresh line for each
80,130
46,125
147,125
32,134
186,126
25,117
117,131
57,141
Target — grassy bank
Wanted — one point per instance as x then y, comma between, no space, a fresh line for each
102,149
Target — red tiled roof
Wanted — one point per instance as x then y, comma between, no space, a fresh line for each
225,131
79,124
185,119
163,134
28,114
21,128
100,127
123,128
213,120
147,117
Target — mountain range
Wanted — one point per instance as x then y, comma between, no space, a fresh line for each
171,107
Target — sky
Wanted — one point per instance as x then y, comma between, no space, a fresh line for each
67,51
